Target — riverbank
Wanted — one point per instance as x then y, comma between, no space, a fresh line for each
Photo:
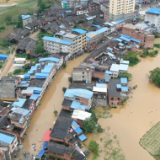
44,117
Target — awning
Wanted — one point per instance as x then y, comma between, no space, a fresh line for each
46,137
41,153
45,145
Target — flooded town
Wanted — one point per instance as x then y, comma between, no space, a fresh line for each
79,80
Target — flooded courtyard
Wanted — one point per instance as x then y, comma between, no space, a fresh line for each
127,125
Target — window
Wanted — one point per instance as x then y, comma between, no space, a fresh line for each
77,99
112,98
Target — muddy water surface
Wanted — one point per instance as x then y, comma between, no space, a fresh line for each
141,112
43,117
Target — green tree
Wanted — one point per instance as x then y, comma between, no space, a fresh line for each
125,74
155,76
4,43
94,115
99,129
93,146
64,89
39,48
64,65
55,112
8,18
132,57
70,79
45,54
19,22
89,125
17,71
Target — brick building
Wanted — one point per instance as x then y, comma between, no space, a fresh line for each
147,39
93,6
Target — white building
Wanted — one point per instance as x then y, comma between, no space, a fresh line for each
26,19
153,16
121,9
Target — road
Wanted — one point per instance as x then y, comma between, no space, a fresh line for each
8,5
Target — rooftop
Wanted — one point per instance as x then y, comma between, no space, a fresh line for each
154,11
6,137
80,31
81,115
19,102
25,16
57,40
104,29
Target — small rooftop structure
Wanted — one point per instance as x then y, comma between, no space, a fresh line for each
25,16
81,115
80,31
102,30
6,138
102,88
19,102
154,11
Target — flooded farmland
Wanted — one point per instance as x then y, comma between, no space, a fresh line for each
43,117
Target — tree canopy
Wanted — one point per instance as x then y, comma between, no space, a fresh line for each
155,76
4,43
89,125
93,146
125,74
132,57
39,48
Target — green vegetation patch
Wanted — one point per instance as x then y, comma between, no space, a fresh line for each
151,141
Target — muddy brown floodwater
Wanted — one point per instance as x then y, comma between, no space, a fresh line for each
43,117
141,112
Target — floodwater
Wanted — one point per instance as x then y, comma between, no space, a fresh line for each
43,117
140,113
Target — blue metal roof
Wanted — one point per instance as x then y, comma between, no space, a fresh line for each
109,48
119,21
87,38
82,137
57,40
124,38
45,145
3,55
23,82
79,106
68,11
101,85
80,31
34,96
154,11
53,59
124,89
61,26
78,131
19,102
123,80
78,92
75,125
6,138
25,16
41,153
108,23
98,26
89,18
130,38
104,29
118,85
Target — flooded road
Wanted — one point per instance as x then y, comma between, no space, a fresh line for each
43,117
140,113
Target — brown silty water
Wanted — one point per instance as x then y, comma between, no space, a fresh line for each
140,113
43,117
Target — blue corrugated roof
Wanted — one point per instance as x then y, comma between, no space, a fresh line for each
124,80
68,11
82,137
78,92
61,26
101,85
119,21
78,105
41,153
108,23
6,138
135,40
75,125
104,29
118,85
124,38
78,131
124,89
19,102
23,82
25,16
129,38
89,18
78,30
57,40
3,55
34,96
98,26
45,145
154,11
109,48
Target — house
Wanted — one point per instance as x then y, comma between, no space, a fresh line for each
26,19
80,74
4,153
93,6
80,95
14,37
117,91
100,94
8,140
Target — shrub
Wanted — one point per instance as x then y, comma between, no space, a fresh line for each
155,76
89,125
127,75
64,65
64,89
45,54
132,57
55,112
94,146
157,45
70,79
99,129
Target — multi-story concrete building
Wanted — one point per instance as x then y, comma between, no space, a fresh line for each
81,74
27,19
121,9
67,43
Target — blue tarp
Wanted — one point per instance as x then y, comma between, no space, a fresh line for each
45,145
26,76
75,125
41,153
34,96
78,131
82,137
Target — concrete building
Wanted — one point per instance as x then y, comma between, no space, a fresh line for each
146,39
80,74
67,43
121,9
8,140
153,15
27,19
4,153
93,6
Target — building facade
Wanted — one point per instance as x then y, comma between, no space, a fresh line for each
121,9
26,19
